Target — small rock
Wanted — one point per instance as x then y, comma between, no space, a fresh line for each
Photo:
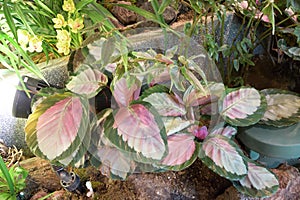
169,15
124,15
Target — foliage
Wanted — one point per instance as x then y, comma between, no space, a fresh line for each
279,18
12,180
155,122
34,30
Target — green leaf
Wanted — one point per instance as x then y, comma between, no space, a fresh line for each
177,79
164,4
224,157
7,177
83,3
243,107
283,107
9,19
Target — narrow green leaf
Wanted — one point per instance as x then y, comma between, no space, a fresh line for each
44,6
82,4
9,19
164,4
7,176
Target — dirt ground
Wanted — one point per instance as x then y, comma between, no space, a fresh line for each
195,182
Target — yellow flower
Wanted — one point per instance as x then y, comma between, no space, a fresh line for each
69,6
63,36
35,44
63,47
23,38
76,24
59,22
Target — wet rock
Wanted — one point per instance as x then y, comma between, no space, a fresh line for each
124,15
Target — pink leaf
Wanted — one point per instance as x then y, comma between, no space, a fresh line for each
227,131
259,177
87,82
138,128
224,155
57,127
123,94
181,149
241,103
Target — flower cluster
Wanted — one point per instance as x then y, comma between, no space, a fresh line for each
65,28
29,42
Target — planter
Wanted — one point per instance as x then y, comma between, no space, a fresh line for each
271,145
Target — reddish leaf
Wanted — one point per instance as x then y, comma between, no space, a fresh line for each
57,127
87,82
137,126
181,149
123,94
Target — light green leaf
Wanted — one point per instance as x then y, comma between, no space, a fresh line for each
243,107
175,124
224,157
259,181
283,107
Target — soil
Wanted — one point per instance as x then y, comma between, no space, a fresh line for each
195,182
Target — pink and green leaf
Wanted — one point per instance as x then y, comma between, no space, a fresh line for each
283,107
87,82
123,94
224,157
259,182
166,104
114,163
243,107
57,126
227,131
137,126
138,130
175,124
183,151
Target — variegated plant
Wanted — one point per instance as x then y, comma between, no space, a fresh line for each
160,109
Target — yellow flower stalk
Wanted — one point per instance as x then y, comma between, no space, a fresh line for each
35,44
76,24
63,36
23,38
69,6
63,41
59,21
63,47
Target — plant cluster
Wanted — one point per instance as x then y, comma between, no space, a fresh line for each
163,111
12,180
36,31
260,20
159,118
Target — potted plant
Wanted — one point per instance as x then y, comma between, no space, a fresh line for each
162,106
